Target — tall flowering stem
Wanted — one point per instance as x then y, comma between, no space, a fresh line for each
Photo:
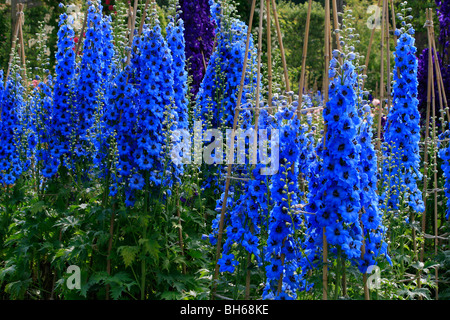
63,98
218,94
402,131
90,83
336,180
12,159
283,249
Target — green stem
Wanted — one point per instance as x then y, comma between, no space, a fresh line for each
338,278
144,236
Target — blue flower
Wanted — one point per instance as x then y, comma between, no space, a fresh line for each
137,181
227,263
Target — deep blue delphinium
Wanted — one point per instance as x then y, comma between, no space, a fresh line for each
176,43
89,84
199,34
282,252
120,118
156,79
334,178
100,132
41,107
371,215
218,93
60,127
12,162
402,131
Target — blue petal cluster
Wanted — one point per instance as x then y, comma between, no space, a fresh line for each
12,162
217,96
402,132
335,180
62,113
371,216
282,251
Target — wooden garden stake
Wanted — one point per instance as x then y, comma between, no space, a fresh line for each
303,72
388,58
304,56
233,135
17,37
269,55
394,27
326,97
380,111
83,28
336,24
430,96
435,177
280,42
22,48
132,21
258,82
144,15
369,48
255,137
442,99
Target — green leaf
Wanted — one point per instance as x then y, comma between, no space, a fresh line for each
128,254
151,246
37,207
195,254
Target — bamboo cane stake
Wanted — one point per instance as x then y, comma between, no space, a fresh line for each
282,51
388,58
83,28
326,97
132,28
255,137
269,54
380,111
435,178
14,42
441,90
302,75
233,133
336,24
144,16
304,56
369,48
258,82
22,48
129,13
394,27
430,96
